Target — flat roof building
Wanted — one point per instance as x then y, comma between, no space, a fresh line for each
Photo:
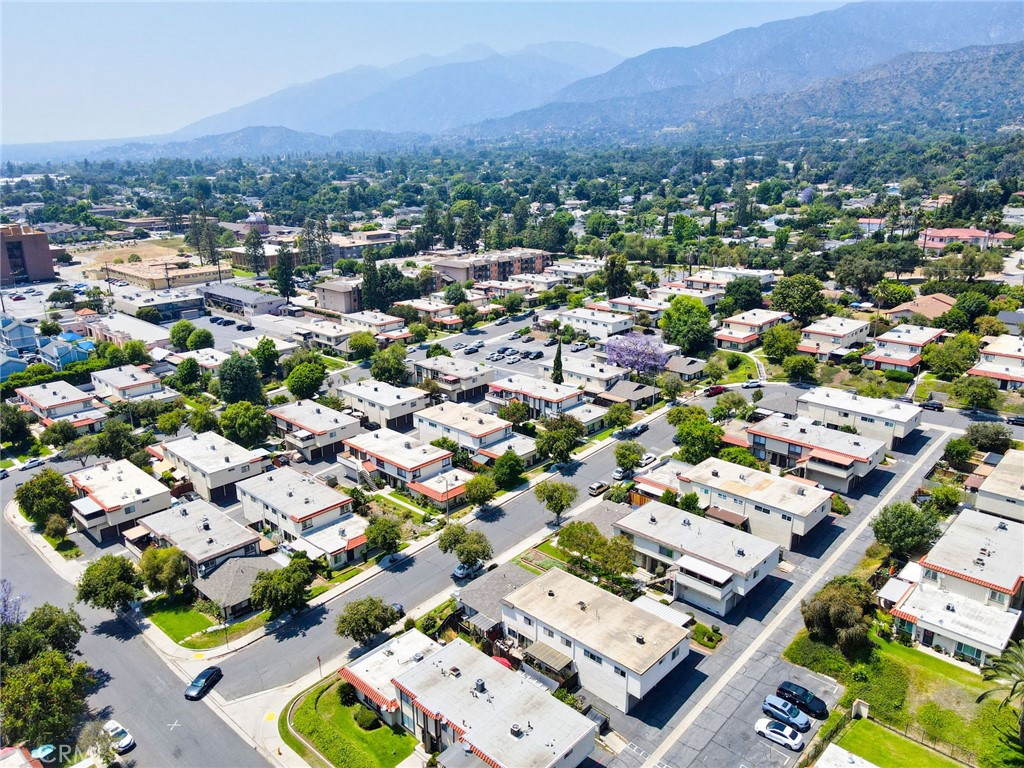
112,496
458,378
544,398
343,295
60,401
833,336
596,323
399,458
384,404
620,652
172,305
213,463
241,301
593,375
1002,359
312,429
25,255
879,419
119,329
470,428
131,383
1002,492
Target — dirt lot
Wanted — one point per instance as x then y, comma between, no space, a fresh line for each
147,249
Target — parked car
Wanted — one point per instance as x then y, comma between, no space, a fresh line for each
120,739
399,609
508,350
495,356
1017,421
621,474
191,496
579,346
640,428
536,354
714,390
513,336
933,405
526,338
550,341
216,320
501,321
228,321
202,683
458,345
513,360
463,571
471,350
753,384
904,399
648,459
803,698
596,489
31,464
246,327
4,474
775,731
785,712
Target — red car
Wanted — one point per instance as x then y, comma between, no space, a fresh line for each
714,390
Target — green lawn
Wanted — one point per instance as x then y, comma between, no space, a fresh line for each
67,548
235,632
552,550
6,463
890,750
176,617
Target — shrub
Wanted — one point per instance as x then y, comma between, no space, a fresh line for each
347,694
817,657
884,688
410,623
904,377
428,624
367,719
709,637
839,506
856,368
567,698
733,361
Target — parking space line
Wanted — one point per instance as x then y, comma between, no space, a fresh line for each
786,758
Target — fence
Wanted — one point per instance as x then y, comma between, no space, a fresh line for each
918,734
827,733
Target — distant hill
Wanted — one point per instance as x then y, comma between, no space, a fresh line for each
426,93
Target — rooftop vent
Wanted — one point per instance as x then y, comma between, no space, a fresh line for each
714,473
206,524
291,493
801,491
640,639
454,671
950,607
803,430
516,730
978,561
686,522
1001,526
227,459
582,605
138,491
480,687
209,540
740,552
551,593
408,444
417,656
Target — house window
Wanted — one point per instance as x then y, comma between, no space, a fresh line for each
787,518
245,469
548,632
675,654
968,650
997,597
868,419
401,472
129,509
759,508
447,462
593,656
720,495
620,672
760,440
527,621
567,642
888,423
844,414
930,574
666,551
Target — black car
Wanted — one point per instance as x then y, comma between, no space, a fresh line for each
536,354
204,681
471,350
551,341
639,429
1017,421
803,698
933,405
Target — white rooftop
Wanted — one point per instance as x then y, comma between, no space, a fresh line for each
698,537
200,530
597,369
311,416
463,418
340,534
444,683
381,392
395,448
117,484
914,335
211,452
1005,345
868,406
592,315
536,388
982,548
425,305
598,619
54,393
294,493
368,317
453,366
836,326
835,756
207,358
803,431
375,670
664,475
124,376
977,623
135,328
249,343
637,303
779,492
756,317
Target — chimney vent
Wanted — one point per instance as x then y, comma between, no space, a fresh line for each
480,687
640,639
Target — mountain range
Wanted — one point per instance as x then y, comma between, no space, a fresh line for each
858,65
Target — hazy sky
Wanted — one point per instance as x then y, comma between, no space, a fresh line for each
89,70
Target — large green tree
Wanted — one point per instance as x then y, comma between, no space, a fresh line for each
840,614
952,358
364,619
388,365
906,528
800,296
975,391
46,494
305,380
14,424
480,490
245,423
556,497
200,338
699,439
384,532
285,589
43,699
255,252
617,278
361,345
239,378
265,354
508,470
109,582
687,324
164,569
179,334
628,454
284,272
779,342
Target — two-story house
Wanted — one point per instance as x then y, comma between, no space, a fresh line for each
599,324
212,463
900,349
593,375
719,277
669,291
17,334
398,459
470,428
971,592
835,460
543,398
312,429
383,404
620,652
1002,360
833,335
707,564
633,305
60,401
376,323
537,283
129,383
456,377
112,496
1002,492
743,331
437,312
59,354
780,509
884,420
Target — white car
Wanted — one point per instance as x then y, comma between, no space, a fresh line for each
463,571
621,474
648,459
753,384
120,739
775,731
31,464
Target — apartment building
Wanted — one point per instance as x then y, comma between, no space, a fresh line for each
119,329
632,305
833,336
242,301
376,323
247,344
172,305
209,360
344,295
471,710
494,265
1002,492
25,255
835,460
719,277
398,459
130,382
937,239
601,325
17,334
458,378
900,349
1002,360
160,274
536,283
543,398
592,375
60,401
501,288
668,291
780,509
10,363
384,404
575,271
436,312
350,245
213,463
875,418
112,496
969,598
743,331
312,429
930,306
620,652
444,491
707,564
470,428
205,535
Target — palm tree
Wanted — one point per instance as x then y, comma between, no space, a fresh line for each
1007,671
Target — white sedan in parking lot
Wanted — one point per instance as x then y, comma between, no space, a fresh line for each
753,384
775,731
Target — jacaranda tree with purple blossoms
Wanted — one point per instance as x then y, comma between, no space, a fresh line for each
640,353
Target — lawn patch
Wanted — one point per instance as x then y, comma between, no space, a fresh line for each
176,617
552,550
65,547
817,657
889,750
220,637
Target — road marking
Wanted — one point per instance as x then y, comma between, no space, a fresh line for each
634,748
270,717
174,725
198,656
669,741
785,758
